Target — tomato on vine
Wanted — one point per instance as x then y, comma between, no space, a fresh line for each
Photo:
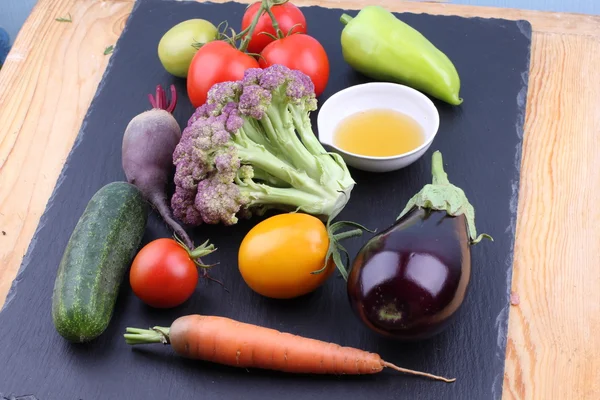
290,19
215,62
301,52
221,60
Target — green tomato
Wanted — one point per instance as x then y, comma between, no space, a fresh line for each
179,44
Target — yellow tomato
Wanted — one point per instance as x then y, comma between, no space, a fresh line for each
277,256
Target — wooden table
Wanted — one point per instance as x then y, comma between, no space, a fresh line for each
553,349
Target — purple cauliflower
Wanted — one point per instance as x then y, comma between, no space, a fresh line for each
251,148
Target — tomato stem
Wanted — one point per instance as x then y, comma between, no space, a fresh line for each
198,252
202,250
289,32
335,248
348,234
269,35
247,33
274,22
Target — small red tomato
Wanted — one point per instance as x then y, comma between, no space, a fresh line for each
215,62
162,274
288,16
300,52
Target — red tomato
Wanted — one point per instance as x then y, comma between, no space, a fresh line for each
288,16
162,274
301,52
215,62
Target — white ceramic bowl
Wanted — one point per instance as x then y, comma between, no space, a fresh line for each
378,95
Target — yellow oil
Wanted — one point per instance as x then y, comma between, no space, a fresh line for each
378,133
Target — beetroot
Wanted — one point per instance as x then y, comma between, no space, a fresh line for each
147,154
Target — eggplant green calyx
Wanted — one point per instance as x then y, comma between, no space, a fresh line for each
335,247
441,195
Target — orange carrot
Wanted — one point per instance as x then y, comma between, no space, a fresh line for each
229,342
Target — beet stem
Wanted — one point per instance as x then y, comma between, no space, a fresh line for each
160,101
160,97
173,102
412,372
152,101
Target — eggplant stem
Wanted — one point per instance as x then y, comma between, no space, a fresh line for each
441,195
437,170
419,373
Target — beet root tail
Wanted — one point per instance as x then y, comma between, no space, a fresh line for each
160,203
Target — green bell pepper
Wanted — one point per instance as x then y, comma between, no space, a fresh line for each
380,46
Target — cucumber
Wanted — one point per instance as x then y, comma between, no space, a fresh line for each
98,253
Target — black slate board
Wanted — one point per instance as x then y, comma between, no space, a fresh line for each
481,143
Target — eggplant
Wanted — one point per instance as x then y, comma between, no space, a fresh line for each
409,281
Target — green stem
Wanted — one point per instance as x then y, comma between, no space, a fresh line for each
265,5
201,251
157,334
251,130
348,234
258,156
280,128
345,18
437,170
332,162
260,175
309,203
198,252
275,24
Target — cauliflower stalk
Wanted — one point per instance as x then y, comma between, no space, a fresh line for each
251,148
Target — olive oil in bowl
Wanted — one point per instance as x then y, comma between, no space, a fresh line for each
378,132
378,126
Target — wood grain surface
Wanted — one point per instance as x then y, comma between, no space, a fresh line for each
553,349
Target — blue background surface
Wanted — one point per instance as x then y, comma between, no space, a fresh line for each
13,13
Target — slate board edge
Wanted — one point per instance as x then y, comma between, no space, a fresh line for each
42,222
497,387
524,21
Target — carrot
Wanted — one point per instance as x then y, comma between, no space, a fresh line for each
229,342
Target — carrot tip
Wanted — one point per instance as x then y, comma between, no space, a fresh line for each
418,373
